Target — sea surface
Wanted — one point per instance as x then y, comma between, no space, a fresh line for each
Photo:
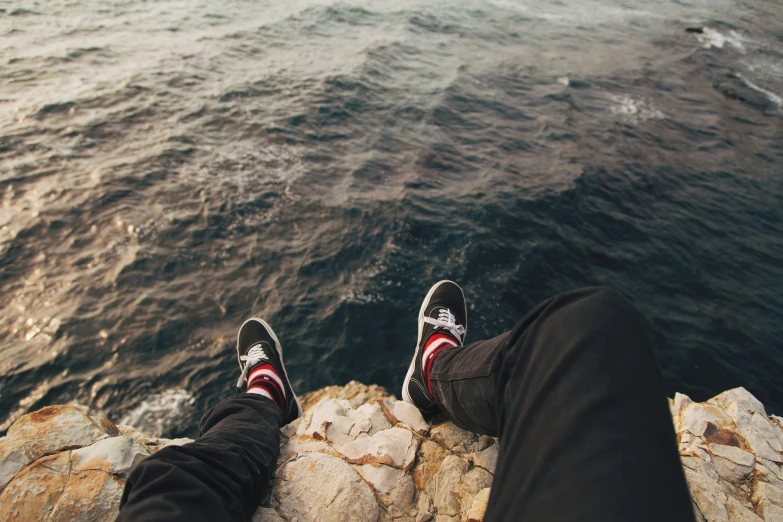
170,168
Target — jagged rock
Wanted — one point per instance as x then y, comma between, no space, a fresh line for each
360,454
62,464
46,431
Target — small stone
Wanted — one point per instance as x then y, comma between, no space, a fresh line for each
432,451
485,441
479,507
423,516
453,438
486,459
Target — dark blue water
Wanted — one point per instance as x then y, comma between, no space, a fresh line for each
168,169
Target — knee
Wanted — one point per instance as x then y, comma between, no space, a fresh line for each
606,314
608,298
606,307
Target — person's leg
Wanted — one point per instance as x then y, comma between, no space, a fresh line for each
220,476
224,473
576,397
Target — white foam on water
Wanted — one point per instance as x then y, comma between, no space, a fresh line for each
160,411
774,98
635,110
712,38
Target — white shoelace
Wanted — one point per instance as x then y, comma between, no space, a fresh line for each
254,356
447,321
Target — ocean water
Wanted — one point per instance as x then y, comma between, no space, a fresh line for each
170,168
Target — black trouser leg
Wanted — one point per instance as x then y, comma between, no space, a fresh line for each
575,395
222,475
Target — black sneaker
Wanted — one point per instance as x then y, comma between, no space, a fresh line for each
258,344
443,311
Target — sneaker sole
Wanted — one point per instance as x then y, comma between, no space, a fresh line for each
279,348
405,395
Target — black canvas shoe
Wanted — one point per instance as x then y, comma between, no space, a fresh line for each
257,344
442,312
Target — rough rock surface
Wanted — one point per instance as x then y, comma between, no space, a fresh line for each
359,454
731,453
62,464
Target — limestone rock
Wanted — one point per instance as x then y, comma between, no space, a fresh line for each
319,486
354,392
46,431
358,454
62,464
402,469
729,452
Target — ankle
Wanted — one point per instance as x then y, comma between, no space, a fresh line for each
265,380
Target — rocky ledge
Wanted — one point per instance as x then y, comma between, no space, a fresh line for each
360,454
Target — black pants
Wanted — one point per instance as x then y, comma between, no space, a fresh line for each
573,392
